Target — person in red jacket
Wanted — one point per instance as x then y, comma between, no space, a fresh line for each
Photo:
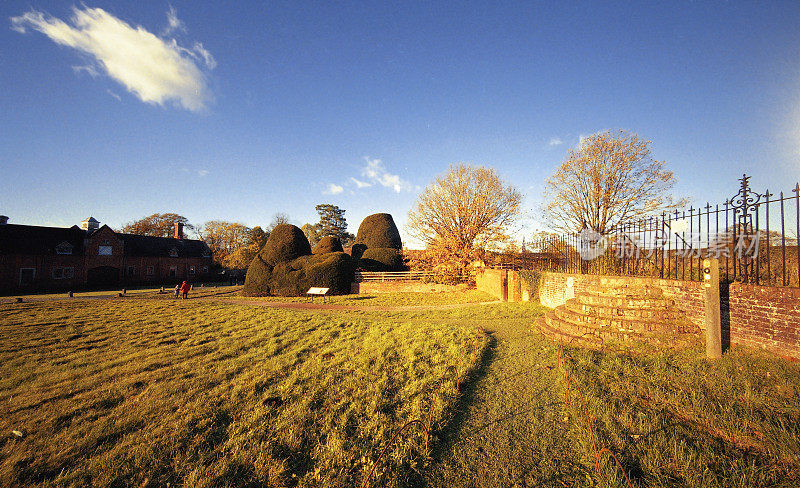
185,290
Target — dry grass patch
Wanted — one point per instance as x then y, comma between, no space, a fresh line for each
191,393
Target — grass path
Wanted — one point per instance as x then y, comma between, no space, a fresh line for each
509,430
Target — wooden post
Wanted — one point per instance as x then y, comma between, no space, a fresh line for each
712,320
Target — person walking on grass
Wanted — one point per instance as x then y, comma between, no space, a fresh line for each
185,290
177,290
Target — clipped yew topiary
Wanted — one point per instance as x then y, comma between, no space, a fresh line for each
382,259
285,243
378,230
294,278
286,267
328,244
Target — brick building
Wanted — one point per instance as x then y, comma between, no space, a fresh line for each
34,258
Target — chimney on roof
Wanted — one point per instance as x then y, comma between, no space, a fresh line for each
90,224
178,230
3,220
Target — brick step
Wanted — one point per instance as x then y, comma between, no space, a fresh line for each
624,290
662,313
621,324
607,336
560,336
624,301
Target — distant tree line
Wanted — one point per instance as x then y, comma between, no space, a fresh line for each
234,244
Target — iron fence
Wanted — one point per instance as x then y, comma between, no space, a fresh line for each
754,236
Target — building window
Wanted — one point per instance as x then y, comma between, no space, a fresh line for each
205,269
173,253
173,271
191,270
105,250
151,270
63,273
26,276
64,248
131,270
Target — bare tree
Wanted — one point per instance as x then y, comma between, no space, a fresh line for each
465,210
609,179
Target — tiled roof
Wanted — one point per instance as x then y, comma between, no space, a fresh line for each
33,239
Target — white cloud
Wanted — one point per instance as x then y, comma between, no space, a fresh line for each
556,141
114,95
155,70
202,172
376,173
88,69
333,189
360,184
174,24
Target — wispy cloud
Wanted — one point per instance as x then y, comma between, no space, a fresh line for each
202,172
360,184
174,24
556,141
88,69
154,69
375,172
114,95
333,189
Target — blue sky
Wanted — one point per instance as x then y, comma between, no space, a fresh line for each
237,112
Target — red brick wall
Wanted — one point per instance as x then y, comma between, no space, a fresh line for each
765,317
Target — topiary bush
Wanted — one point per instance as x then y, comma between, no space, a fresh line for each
382,259
328,244
294,278
285,243
379,230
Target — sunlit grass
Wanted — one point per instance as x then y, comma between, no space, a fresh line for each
676,419
396,299
138,392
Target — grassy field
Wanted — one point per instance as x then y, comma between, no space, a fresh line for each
191,393
674,419
398,299
147,392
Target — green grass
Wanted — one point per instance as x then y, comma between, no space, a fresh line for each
147,392
398,299
676,419
147,292
150,392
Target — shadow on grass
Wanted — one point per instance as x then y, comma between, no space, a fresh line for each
450,433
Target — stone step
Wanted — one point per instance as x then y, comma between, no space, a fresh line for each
624,301
661,313
621,324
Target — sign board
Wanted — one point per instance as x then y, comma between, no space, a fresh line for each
317,291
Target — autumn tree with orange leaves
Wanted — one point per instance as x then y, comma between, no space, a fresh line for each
609,179
468,209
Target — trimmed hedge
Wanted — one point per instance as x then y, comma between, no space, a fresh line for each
378,230
286,267
382,259
285,243
294,278
328,244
